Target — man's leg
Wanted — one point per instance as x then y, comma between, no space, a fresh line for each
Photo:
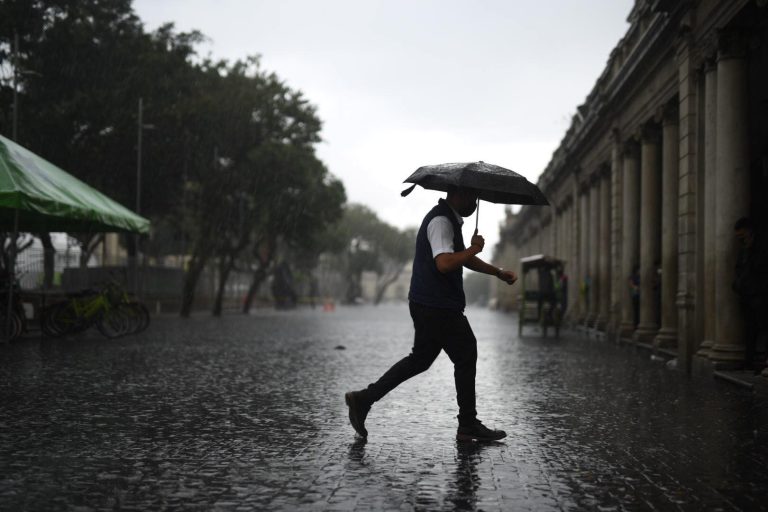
460,344
425,351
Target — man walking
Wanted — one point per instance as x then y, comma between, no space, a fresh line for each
437,302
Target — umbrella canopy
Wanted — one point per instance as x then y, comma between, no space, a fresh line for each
493,183
48,199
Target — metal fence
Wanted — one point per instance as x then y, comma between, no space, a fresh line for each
30,271
158,284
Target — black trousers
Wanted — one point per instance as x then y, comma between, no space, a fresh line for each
755,324
436,330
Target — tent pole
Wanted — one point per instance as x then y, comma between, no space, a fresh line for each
11,275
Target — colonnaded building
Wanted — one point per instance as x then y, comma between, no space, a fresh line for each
669,149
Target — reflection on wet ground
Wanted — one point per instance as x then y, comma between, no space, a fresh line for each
248,413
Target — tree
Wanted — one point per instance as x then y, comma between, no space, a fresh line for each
82,65
399,251
268,185
230,163
299,200
374,245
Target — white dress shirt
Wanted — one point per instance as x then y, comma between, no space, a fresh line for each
440,234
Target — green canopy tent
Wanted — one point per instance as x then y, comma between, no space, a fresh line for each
47,199
37,196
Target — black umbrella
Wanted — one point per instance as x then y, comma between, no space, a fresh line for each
493,183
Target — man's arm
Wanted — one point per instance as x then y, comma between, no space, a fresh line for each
450,261
479,265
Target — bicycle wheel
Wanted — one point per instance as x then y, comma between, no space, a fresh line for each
47,322
12,331
141,314
114,323
18,325
65,320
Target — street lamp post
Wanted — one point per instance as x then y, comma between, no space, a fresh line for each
140,127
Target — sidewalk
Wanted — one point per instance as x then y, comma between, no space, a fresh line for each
701,367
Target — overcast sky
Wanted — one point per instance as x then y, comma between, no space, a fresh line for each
404,83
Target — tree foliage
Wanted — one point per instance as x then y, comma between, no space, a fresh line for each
229,171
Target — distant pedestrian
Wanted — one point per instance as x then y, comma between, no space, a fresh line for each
436,301
546,294
751,285
561,287
586,284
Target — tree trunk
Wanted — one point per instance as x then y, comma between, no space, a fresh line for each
87,247
382,288
258,277
196,266
49,254
265,251
225,267
354,287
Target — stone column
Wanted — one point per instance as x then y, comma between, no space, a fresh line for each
617,283
670,166
604,250
630,242
650,213
561,229
732,195
555,230
573,244
709,214
572,268
584,228
690,201
594,250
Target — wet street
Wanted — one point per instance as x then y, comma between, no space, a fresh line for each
247,413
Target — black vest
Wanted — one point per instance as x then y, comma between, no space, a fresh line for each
430,287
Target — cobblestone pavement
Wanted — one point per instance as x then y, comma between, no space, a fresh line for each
247,413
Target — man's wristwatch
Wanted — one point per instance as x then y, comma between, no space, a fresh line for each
498,272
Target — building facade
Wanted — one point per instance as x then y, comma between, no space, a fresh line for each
669,149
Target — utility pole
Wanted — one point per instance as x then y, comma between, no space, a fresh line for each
15,125
140,129
12,256
136,237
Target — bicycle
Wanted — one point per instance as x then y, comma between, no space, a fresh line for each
18,323
110,309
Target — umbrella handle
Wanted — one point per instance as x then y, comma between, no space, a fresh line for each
477,215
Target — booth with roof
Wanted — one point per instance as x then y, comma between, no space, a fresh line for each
541,293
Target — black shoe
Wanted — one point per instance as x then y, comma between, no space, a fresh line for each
478,432
358,410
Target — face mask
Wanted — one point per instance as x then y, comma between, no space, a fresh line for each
469,210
